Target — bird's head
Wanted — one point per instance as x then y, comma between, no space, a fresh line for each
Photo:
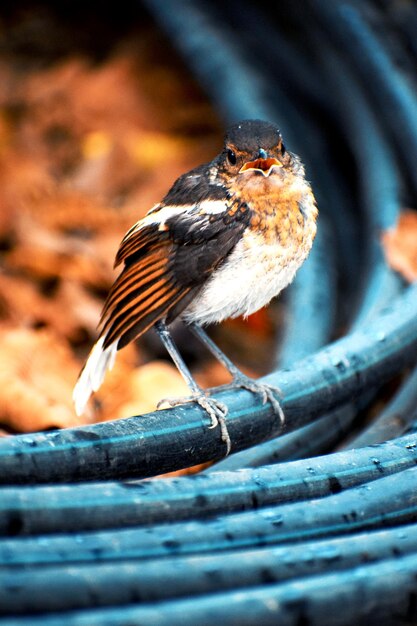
255,148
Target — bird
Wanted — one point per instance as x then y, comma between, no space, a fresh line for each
228,236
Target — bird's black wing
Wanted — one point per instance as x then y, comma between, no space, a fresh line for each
168,256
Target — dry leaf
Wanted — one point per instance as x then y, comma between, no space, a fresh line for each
37,373
46,254
400,246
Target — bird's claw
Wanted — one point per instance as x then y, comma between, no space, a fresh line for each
267,392
216,411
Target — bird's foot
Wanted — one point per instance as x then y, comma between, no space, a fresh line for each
216,411
268,393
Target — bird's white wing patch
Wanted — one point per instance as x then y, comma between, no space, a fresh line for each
212,207
160,216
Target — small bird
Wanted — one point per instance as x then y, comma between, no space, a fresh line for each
228,236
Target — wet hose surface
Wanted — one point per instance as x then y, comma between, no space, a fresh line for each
259,537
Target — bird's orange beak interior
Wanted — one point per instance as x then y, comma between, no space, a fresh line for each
263,165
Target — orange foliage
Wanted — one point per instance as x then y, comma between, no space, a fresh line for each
36,374
400,246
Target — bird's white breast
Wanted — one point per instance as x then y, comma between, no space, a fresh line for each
252,275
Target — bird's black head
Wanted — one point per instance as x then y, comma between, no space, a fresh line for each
250,135
255,146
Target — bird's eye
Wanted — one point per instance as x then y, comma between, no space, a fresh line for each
283,149
231,157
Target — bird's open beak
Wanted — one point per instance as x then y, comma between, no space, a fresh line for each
261,165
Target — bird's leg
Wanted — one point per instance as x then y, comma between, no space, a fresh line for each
215,409
267,392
